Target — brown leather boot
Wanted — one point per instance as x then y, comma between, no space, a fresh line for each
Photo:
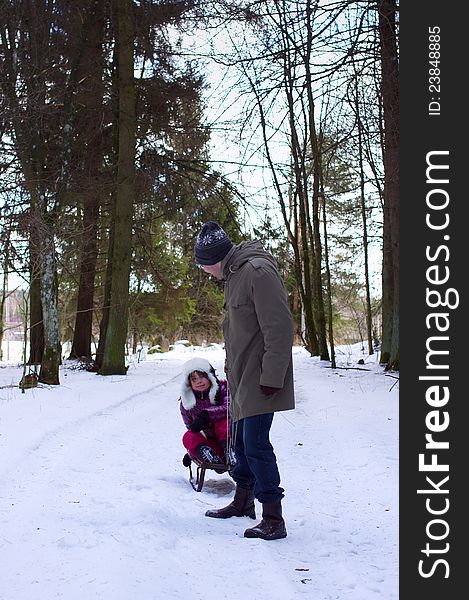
272,526
241,506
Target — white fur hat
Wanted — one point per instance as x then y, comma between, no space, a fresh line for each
187,394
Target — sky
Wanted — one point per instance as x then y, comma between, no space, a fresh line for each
95,502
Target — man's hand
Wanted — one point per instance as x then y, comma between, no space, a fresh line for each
269,391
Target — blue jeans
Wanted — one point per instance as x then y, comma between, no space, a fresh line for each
256,465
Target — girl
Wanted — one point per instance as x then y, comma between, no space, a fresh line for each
204,410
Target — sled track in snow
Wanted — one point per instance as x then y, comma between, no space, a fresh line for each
69,430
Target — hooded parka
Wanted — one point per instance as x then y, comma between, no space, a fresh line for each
258,332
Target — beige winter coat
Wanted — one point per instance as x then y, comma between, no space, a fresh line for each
258,331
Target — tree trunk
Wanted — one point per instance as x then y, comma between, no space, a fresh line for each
316,243
328,283
90,117
369,324
387,291
4,294
114,351
104,322
51,359
390,94
307,297
36,332
103,325
317,273
29,144
308,266
294,237
49,371
81,345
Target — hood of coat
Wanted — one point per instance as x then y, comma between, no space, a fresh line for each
243,252
188,398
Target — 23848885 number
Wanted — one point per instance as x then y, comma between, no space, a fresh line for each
434,71
434,59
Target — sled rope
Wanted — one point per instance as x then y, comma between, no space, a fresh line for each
231,429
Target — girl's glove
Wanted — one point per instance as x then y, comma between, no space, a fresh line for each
201,421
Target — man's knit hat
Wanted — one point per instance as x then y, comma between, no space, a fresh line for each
212,244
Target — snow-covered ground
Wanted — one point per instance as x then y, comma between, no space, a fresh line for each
95,502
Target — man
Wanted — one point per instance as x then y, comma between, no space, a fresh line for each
258,332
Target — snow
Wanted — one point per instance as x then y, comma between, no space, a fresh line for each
95,502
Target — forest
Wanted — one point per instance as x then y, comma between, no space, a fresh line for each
127,124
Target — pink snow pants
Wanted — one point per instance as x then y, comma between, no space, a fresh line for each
192,440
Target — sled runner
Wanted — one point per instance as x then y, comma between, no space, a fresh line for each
197,482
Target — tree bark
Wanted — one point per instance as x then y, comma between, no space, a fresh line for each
114,351
36,330
4,293
317,178
81,345
29,142
103,325
328,283
295,237
308,257
390,94
51,358
369,324
90,118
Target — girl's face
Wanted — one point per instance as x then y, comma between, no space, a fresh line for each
199,381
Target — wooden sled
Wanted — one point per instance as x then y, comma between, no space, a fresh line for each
197,482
